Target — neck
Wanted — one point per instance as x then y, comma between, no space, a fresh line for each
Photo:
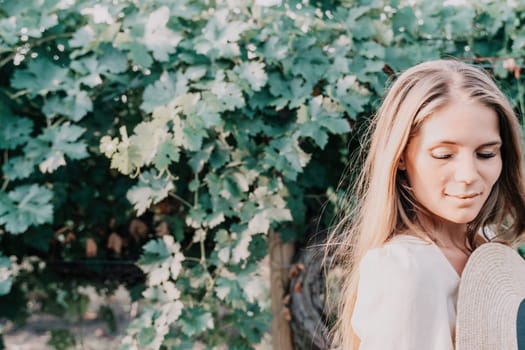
445,234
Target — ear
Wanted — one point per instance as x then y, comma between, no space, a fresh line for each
402,165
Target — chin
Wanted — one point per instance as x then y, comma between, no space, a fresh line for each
463,219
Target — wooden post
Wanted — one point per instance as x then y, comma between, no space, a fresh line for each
281,255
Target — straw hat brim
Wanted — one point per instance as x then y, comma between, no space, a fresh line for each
491,291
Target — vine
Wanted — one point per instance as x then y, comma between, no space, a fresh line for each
179,134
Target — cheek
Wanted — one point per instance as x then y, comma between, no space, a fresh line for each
426,175
492,173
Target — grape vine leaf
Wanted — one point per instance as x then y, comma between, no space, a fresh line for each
167,152
164,90
196,320
56,142
74,106
82,37
113,61
146,336
158,38
155,251
25,206
229,95
18,168
254,73
14,131
149,190
40,77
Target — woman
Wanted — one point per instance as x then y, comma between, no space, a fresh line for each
443,173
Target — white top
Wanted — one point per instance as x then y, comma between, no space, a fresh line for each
406,299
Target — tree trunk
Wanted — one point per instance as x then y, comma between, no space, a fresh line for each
281,255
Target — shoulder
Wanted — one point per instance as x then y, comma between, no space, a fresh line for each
401,257
402,275
401,300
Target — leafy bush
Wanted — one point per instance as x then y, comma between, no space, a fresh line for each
196,127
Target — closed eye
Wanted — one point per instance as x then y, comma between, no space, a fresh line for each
486,155
441,156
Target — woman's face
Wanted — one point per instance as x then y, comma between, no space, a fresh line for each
454,160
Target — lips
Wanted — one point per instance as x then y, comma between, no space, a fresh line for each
465,195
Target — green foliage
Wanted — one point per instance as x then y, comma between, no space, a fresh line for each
62,339
108,316
236,116
6,280
24,206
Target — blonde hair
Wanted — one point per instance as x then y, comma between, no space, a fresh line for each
382,206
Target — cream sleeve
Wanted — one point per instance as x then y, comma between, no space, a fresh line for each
399,305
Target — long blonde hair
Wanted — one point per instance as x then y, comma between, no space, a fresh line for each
381,205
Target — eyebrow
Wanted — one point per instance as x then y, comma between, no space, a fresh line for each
487,144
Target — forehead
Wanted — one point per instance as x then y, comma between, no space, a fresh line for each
460,122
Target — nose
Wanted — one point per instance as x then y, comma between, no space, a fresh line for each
467,170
